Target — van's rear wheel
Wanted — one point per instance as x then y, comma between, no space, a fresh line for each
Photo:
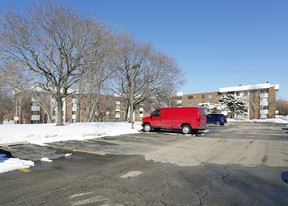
147,127
186,129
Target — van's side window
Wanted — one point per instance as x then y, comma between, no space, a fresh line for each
156,113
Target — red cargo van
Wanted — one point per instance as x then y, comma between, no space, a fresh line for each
188,119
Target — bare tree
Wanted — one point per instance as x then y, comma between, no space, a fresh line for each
148,70
49,41
254,102
164,97
99,67
282,107
6,103
23,108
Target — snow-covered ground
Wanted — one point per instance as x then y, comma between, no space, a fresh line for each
278,120
41,134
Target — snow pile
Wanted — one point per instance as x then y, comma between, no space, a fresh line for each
276,121
41,134
282,121
45,159
9,164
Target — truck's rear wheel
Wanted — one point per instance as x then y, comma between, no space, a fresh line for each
147,127
186,129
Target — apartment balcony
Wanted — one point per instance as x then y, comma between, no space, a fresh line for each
35,108
264,95
35,117
266,111
264,103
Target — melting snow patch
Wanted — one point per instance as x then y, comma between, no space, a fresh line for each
131,174
68,154
9,164
45,159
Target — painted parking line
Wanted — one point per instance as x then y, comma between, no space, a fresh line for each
77,150
24,170
116,142
148,137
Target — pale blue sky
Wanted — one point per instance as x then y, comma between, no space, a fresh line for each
218,43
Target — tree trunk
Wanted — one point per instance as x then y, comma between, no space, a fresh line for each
59,112
126,115
78,111
1,119
49,118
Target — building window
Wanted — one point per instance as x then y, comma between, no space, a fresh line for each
264,99
35,112
209,96
190,97
73,112
237,94
35,122
107,112
34,104
264,91
203,96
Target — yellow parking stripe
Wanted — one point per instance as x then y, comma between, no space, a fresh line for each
24,170
116,142
76,150
148,137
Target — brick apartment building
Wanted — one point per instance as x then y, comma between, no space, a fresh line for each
259,98
192,100
109,108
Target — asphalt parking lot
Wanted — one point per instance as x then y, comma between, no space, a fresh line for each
237,164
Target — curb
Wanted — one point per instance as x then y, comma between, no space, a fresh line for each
93,135
13,144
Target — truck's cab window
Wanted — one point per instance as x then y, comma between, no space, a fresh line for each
156,113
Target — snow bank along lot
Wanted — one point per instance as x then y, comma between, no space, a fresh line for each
42,134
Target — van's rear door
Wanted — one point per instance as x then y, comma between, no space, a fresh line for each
202,118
